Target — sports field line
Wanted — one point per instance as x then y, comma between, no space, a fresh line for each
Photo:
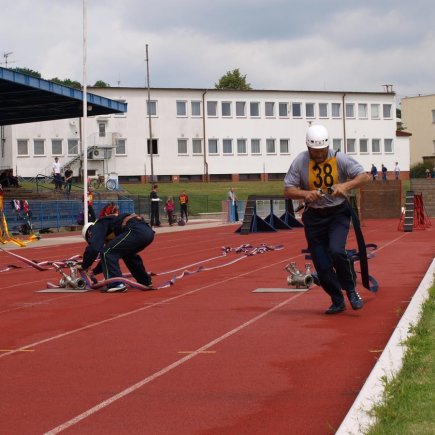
166,369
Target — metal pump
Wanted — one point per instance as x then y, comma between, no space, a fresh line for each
297,278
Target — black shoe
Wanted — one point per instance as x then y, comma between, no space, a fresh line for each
335,309
355,299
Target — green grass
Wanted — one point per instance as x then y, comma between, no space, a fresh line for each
408,403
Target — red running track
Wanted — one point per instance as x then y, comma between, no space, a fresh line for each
205,356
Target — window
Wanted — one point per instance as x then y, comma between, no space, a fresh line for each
73,146
388,145
336,144
241,146
23,147
181,108
120,149
151,108
196,146
433,115
269,109
254,109
212,146
212,108
270,146
155,146
375,111
226,109
102,129
351,146
350,110
297,110
284,146
240,108
255,146
433,143
283,110
196,108
386,111
323,110
310,110
38,147
376,146
362,111
56,147
363,146
336,110
227,146
182,146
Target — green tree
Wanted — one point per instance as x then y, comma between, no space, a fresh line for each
28,71
67,82
233,80
101,84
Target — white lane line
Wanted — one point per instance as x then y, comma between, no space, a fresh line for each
165,370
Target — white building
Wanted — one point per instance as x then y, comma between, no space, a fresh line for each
247,134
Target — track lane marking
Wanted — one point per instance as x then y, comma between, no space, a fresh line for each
165,370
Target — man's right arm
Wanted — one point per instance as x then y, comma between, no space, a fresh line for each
307,196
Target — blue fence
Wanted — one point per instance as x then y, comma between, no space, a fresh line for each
57,214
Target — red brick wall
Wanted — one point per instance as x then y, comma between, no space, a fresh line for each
381,199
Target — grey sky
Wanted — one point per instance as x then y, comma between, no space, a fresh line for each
279,44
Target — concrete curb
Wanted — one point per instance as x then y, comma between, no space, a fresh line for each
358,419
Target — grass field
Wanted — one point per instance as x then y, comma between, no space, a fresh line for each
408,406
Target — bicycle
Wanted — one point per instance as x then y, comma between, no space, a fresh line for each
98,181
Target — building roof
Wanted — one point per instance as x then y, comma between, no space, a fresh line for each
24,98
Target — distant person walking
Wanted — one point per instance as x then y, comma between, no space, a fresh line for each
232,205
384,173
374,172
397,171
56,174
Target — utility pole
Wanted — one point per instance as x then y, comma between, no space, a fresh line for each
149,115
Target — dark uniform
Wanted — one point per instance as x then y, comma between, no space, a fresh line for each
131,235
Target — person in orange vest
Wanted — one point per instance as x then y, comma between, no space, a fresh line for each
91,212
183,199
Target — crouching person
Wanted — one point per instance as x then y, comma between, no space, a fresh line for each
113,237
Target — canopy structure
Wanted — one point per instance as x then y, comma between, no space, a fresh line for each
24,98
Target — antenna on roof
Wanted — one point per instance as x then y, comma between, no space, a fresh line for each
6,55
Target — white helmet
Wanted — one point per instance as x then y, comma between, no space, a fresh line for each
85,230
317,137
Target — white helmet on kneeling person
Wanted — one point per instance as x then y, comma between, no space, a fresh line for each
85,229
317,137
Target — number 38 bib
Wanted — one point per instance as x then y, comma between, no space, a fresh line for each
323,175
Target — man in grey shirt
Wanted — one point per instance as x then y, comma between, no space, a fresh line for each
321,178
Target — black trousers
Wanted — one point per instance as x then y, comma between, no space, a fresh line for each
183,212
326,232
136,237
155,215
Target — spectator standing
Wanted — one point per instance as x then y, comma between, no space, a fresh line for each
56,174
232,205
396,171
91,212
68,179
427,173
170,207
374,172
154,206
183,199
327,213
384,173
